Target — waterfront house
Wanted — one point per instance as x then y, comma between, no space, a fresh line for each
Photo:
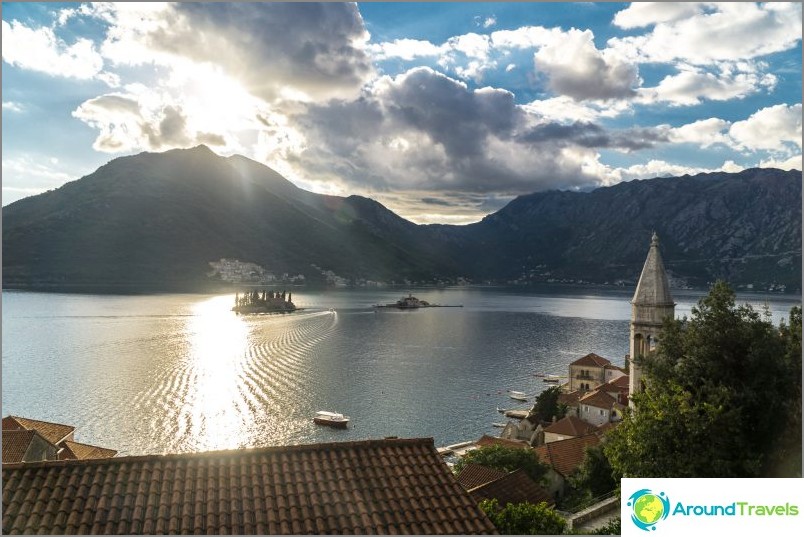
369,487
590,371
27,440
567,427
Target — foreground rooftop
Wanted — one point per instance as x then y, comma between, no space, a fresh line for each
373,486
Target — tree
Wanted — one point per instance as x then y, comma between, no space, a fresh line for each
719,393
505,459
594,473
547,406
524,518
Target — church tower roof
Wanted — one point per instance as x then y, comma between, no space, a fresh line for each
653,288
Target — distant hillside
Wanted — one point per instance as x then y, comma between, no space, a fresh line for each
160,218
744,227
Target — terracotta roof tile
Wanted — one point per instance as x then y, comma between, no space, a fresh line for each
565,456
15,445
598,399
52,432
570,399
76,450
591,359
516,487
620,383
374,486
571,426
474,475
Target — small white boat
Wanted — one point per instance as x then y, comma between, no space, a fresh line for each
501,410
498,425
552,379
333,419
518,396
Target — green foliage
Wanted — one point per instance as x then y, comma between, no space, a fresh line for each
547,406
612,527
505,459
524,518
720,392
594,474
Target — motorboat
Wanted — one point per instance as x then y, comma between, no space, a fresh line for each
552,379
333,419
518,396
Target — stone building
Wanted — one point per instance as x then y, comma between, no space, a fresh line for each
652,302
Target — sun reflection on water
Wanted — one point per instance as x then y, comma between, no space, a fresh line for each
214,405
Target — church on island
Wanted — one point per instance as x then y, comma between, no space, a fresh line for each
597,391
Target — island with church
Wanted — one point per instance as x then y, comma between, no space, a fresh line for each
264,301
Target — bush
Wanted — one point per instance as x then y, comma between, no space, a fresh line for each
524,518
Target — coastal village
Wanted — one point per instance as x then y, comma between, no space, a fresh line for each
51,483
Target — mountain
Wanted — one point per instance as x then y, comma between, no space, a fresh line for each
159,219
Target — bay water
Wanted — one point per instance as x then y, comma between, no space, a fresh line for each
180,372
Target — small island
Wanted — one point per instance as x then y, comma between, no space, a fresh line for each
410,302
264,302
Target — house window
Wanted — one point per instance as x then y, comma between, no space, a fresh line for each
601,412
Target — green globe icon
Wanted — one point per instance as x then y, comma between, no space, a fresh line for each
648,509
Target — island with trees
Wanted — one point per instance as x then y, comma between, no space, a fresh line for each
264,301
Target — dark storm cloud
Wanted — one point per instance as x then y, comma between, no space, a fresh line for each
316,48
592,135
423,131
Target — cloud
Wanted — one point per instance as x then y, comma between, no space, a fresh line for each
575,68
693,84
792,163
276,50
404,49
641,14
13,106
704,133
722,32
661,168
566,109
775,128
427,133
39,49
128,122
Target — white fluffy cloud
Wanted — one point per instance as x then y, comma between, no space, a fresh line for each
641,14
691,85
775,128
576,68
722,32
704,133
39,49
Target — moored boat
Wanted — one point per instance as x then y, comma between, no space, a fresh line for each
518,396
332,419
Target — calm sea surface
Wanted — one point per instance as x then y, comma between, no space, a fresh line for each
174,373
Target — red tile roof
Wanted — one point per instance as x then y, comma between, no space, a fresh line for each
76,450
53,432
571,426
598,399
570,399
591,359
373,486
516,487
565,456
619,382
15,444
487,440
474,475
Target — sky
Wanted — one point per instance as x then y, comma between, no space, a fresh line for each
443,112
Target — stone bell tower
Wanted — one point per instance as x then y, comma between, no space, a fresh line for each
651,304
